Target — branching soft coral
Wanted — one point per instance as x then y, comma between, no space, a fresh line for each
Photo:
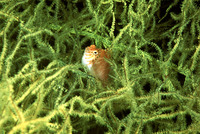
154,79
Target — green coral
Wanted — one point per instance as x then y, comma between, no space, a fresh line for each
154,85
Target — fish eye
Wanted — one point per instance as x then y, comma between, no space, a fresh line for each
95,52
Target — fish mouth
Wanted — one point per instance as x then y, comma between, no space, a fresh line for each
87,60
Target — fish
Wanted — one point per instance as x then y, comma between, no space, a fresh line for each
94,59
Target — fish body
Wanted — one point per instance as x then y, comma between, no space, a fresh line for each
94,60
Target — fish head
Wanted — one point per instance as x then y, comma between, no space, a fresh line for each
91,53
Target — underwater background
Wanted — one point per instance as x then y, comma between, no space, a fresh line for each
154,84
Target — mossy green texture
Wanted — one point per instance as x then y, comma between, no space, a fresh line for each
154,85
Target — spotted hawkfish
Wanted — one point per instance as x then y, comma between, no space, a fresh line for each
94,59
